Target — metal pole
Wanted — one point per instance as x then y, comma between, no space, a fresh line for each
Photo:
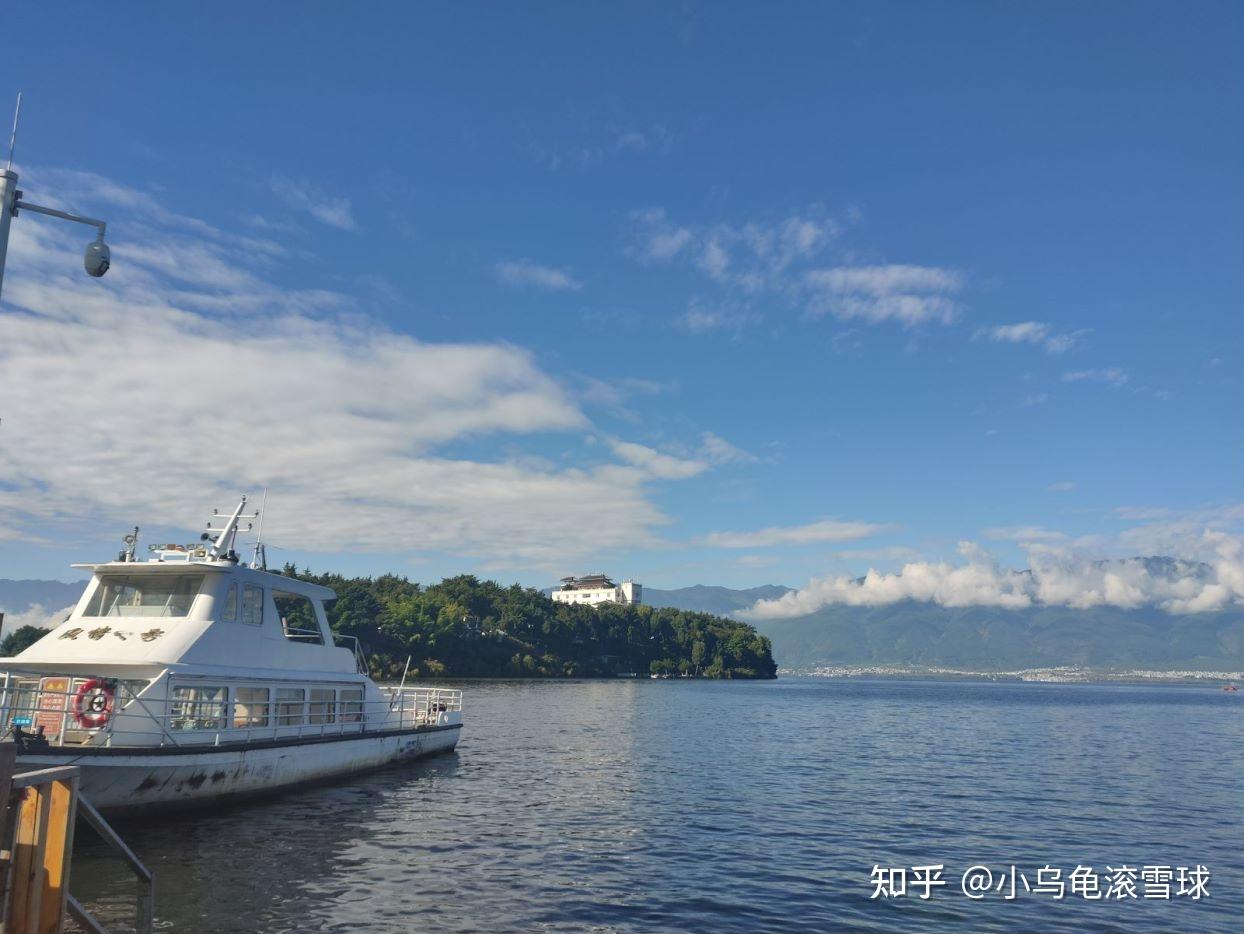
8,202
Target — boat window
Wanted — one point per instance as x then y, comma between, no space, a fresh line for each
198,708
230,611
250,707
323,705
144,595
289,706
252,605
298,620
351,705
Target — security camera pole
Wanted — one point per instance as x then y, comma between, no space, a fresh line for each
98,256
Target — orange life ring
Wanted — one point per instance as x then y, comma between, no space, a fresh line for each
92,704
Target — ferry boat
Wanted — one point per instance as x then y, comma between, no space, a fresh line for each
193,676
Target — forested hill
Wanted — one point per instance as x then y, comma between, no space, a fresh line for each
465,627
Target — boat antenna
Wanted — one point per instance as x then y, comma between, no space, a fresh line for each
401,687
223,546
13,136
260,559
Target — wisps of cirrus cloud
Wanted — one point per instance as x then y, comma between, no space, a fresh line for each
308,198
786,257
702,317
1206,574
1038,333
597,144
751,255
523,273
1111,376
825,530
189,374
713,450
910,295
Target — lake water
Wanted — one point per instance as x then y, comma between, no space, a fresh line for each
732,807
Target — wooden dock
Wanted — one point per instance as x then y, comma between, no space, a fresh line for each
41,810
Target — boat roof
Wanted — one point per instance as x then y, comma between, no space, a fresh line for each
159,566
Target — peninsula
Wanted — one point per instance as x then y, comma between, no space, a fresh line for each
467,628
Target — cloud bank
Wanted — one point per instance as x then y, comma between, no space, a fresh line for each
1055,577
188,375
36,616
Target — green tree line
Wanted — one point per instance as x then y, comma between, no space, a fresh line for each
465,627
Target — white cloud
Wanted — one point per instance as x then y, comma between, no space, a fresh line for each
655,463
186,376
717,450
1114,376
756,561
615,395
36,616
1036,398
302,195
658,240
701,318
827,530
911,295
1056,576
749,256
1024,533
524,273
891,553
1063,486
1033,332
654,138
776,257
714,260
602,142
1144,513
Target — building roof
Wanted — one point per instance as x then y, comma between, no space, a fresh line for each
587,582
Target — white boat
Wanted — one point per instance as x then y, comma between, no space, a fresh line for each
193,676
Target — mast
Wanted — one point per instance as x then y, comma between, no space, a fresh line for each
259,561
223,546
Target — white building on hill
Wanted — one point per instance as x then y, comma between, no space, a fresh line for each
597,588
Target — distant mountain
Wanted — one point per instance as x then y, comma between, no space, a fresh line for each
35,603
981,637
720,601
20,596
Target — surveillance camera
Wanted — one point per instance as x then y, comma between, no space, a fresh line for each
97,259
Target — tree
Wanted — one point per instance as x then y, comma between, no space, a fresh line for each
20,639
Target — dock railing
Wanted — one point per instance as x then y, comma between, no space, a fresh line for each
36,852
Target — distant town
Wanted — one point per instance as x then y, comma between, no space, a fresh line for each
1059,675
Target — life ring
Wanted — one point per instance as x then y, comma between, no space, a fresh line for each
92,704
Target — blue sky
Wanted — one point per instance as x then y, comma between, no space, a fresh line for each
722,293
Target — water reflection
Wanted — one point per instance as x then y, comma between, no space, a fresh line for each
668,806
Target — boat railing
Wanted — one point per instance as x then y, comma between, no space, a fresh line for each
419,706
352,643
41,716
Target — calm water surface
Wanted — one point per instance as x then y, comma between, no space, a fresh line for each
730,807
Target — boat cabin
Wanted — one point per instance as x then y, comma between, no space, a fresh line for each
193,646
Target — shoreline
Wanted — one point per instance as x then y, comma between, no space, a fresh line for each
1061,674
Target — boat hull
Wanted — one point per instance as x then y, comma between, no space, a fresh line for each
121,780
